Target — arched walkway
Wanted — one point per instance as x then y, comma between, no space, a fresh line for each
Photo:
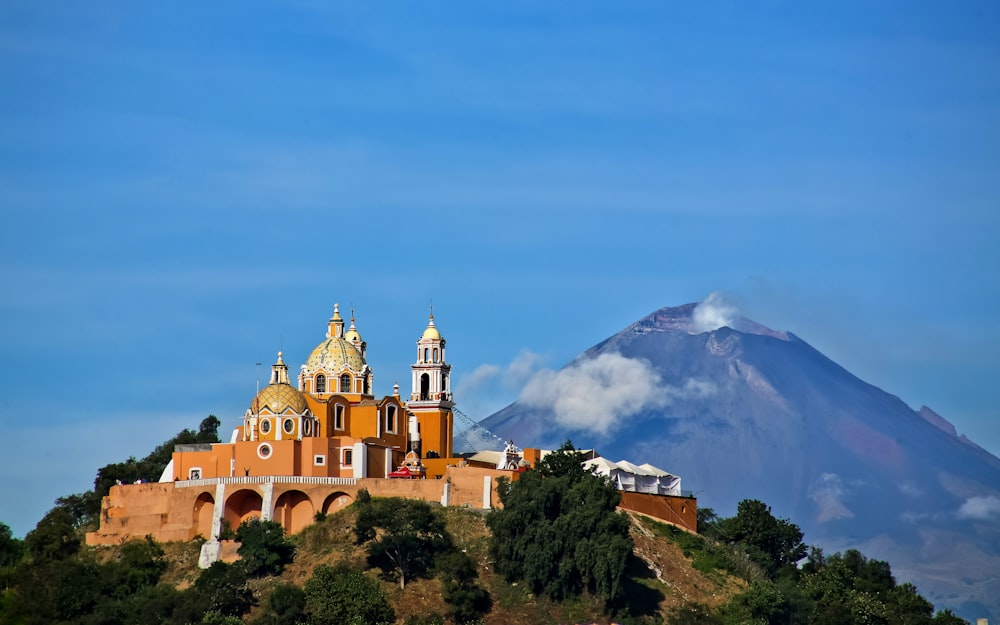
336,501
204,507
242,505
294,511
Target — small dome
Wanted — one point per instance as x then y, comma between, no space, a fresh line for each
279,398
431,332
333,355
352,332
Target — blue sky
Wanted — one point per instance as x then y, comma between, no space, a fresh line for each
187,188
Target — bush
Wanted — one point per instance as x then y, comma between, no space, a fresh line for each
286,605
264,548
339,595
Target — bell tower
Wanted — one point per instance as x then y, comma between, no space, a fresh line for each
430,400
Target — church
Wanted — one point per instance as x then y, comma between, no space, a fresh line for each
330,424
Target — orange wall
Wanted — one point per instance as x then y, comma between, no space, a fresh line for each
679,511
172,513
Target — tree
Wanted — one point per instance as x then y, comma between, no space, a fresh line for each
403,535
222,588
339,595
11,549
286,605
467,600
559,532
947,617
54,538
264,548
775,544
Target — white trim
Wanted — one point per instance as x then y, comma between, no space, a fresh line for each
264,456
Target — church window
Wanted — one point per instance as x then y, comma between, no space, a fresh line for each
345,383
435,354
348,457
264,451
366,388
194,473
444,383
321,383
307,427
390,419
288,426
319,460
338,417
265,426
425,387
426,353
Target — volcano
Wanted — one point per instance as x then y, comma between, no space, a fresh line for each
743,411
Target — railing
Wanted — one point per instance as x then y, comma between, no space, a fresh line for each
268,479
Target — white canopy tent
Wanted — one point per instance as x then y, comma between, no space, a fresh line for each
643,478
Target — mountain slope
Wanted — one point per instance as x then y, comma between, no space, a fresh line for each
769,417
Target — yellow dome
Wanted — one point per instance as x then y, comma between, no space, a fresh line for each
278,398
332,355
431,332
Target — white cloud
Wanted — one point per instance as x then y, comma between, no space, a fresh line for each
597,394
980,508
480,376
827,491
713,313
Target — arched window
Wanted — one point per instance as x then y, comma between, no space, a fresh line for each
345,383
425,387
321,383
366,387
338,418
435,354
444,382
390,419
426,354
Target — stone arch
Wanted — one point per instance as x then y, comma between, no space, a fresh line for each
242,505
337,501
201,517
293,510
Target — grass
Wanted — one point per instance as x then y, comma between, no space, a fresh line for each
709,557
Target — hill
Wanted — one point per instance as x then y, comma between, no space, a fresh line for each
662,579
743,411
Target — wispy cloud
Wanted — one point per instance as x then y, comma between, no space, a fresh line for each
598,394
714,312
980,508
828,492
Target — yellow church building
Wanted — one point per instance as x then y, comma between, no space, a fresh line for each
330,424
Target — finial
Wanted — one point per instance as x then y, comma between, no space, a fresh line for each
432,311
280,362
